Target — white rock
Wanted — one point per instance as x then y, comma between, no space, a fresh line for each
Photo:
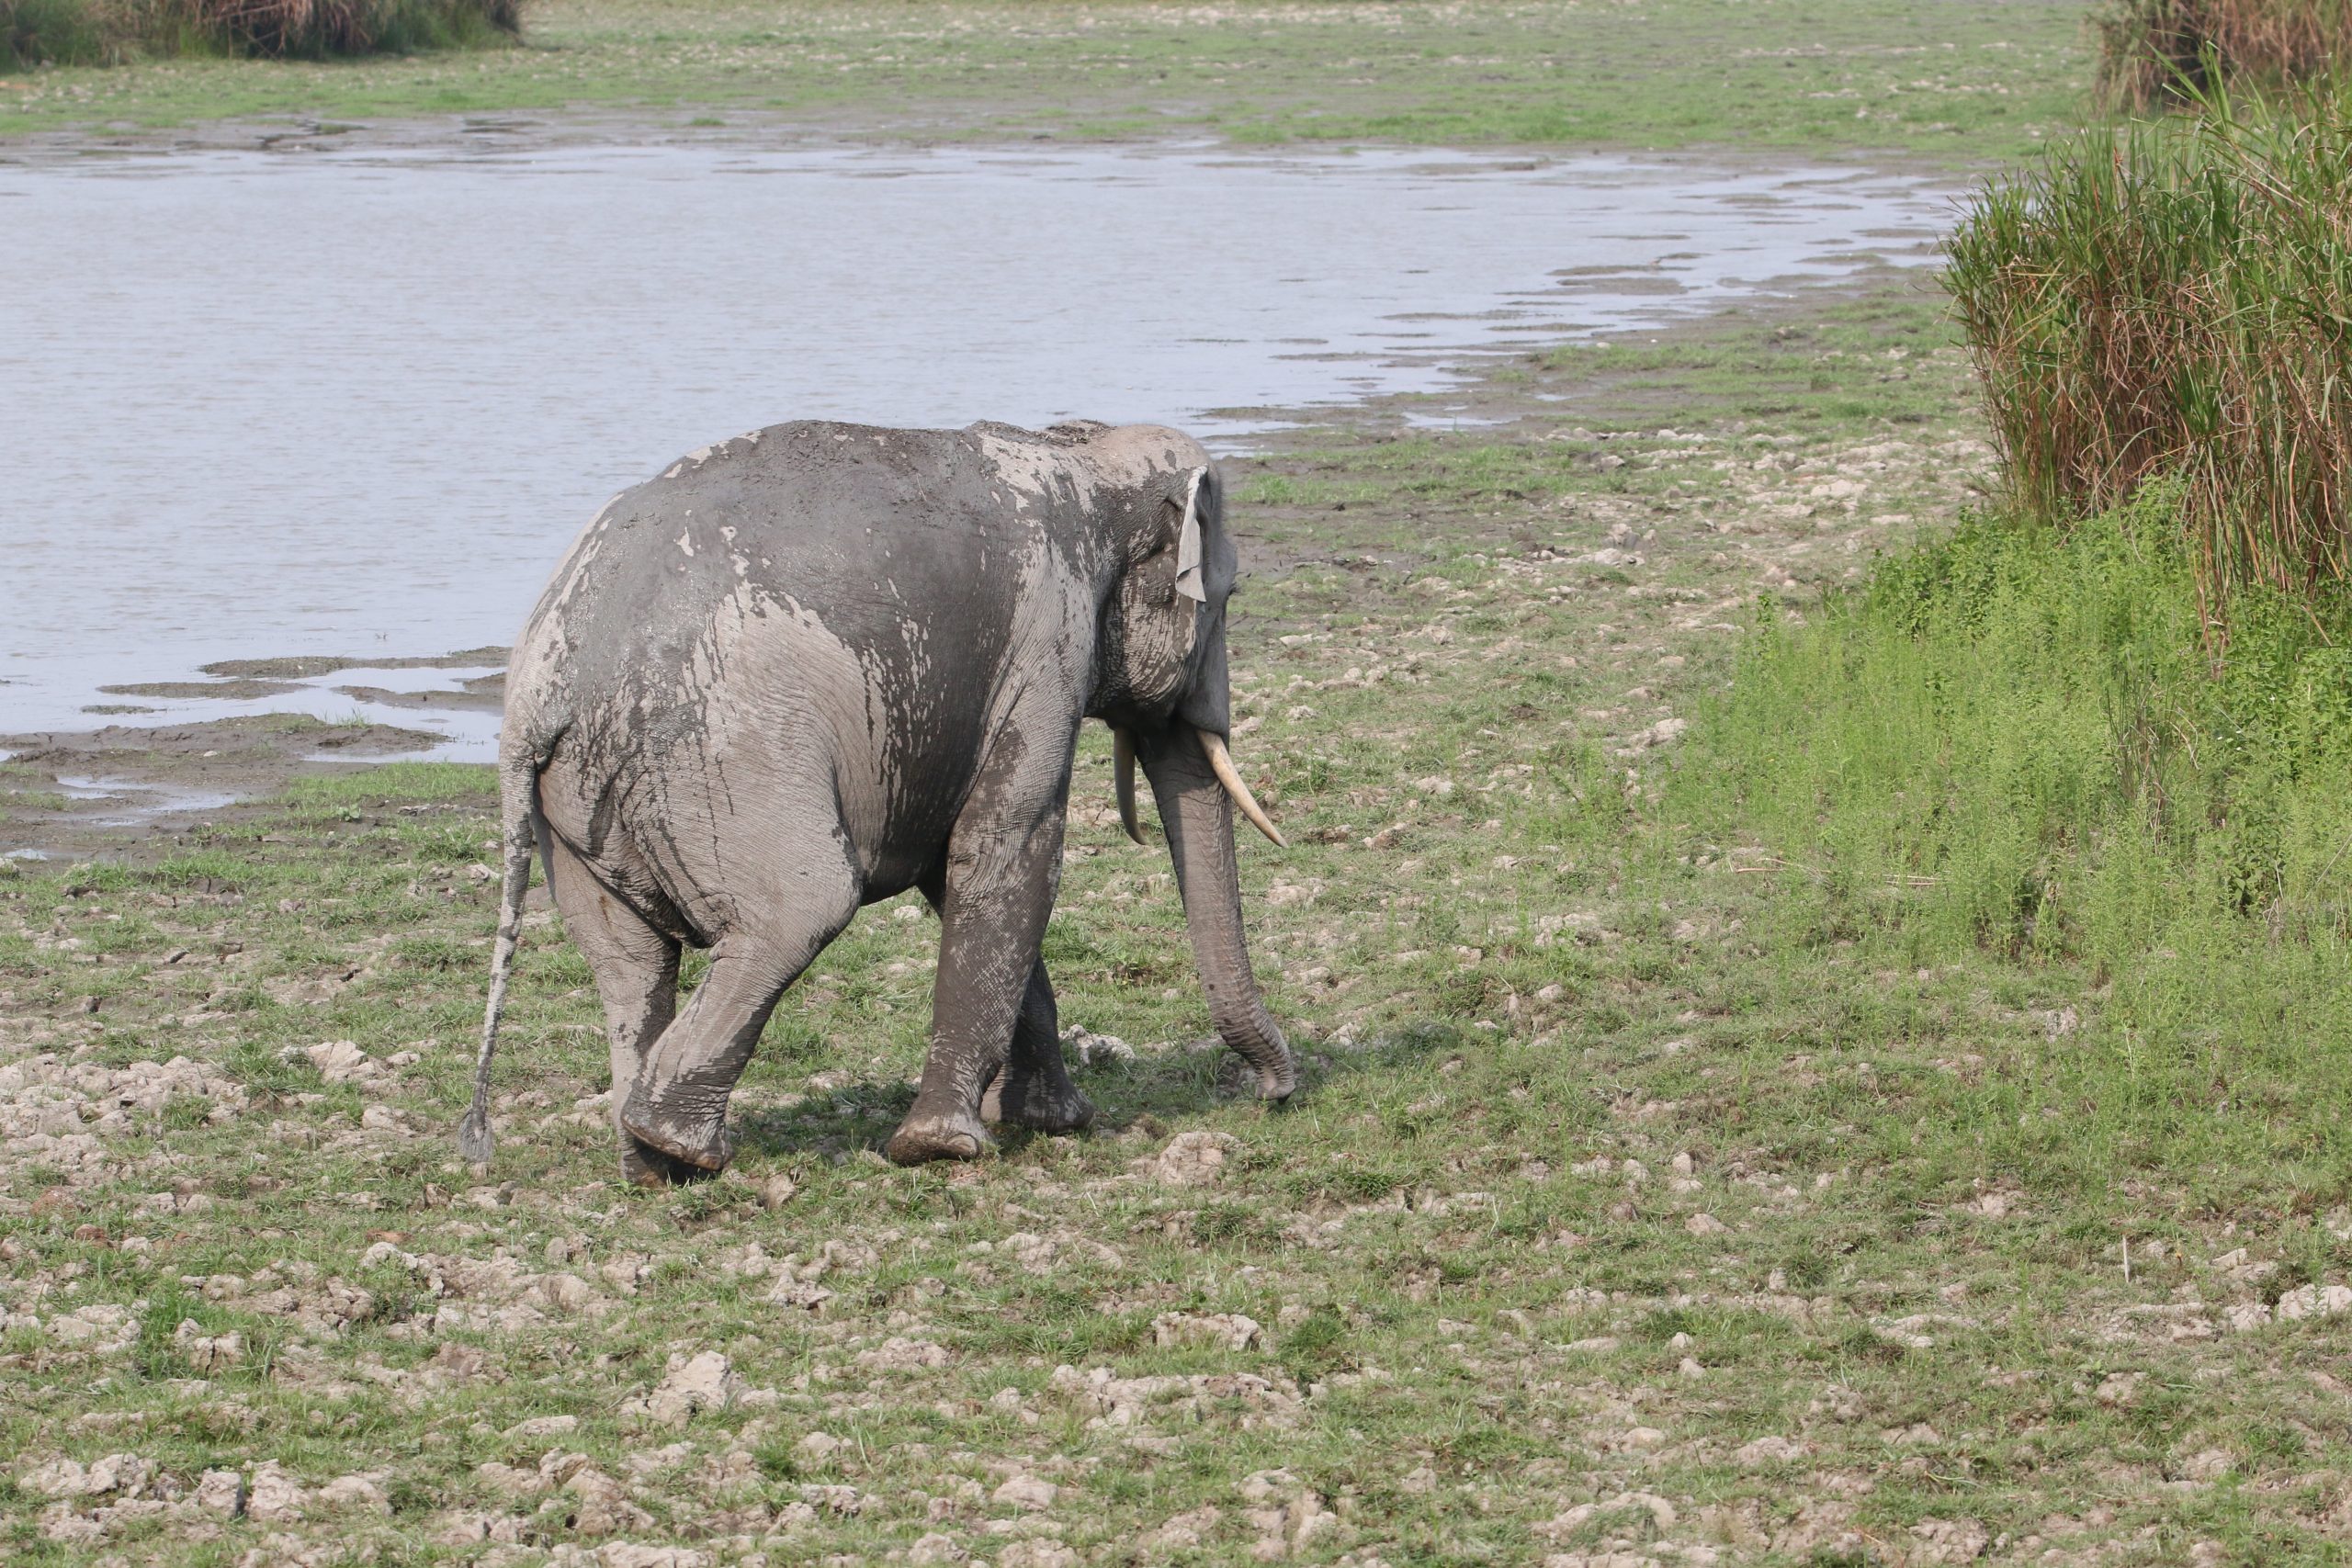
340,1061
2315,1301
1038,1554
220,1492
1766,1451
2244,1316
354,1491
1229,1329
706,1382
274,1495
1193,1159
1027,1492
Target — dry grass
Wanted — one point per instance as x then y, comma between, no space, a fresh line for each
2155,53
2177,298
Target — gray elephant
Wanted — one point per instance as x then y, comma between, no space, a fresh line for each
822,664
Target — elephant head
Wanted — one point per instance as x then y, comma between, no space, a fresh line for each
1163,687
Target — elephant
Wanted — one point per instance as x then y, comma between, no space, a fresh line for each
813,667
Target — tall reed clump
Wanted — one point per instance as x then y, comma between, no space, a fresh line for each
2174,299
2016,742
2160,53
99,32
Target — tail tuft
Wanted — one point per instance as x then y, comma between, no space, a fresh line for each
475,1142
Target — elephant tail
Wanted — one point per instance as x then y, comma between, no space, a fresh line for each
518,793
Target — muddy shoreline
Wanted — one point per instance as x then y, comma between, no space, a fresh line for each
522,134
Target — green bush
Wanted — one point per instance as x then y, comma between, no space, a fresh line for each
51,32
94,32
2175,299
2032,741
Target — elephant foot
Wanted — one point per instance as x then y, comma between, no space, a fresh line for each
692,1134
642,1165
1039,1101
922,1138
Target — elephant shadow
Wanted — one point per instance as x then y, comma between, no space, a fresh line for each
1154,1089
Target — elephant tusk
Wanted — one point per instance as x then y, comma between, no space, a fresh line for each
1221,764
1123,758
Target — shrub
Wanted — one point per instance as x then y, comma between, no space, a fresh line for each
2175,299
93,32
60,32
318,29
2158,53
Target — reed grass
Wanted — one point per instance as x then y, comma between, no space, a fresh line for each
2161,54
104,32
2174,299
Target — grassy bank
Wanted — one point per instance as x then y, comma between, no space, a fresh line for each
1623,1212
2021,742
1934,80
121,32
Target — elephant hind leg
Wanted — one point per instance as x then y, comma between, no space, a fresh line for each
678,1103
636,967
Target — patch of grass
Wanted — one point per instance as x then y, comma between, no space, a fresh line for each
1951,82
2175,299
2018,740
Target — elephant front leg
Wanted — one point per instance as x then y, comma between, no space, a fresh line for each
1034,1089
998,891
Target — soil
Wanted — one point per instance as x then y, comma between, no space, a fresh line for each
135,793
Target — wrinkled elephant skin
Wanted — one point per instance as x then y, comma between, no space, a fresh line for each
821,664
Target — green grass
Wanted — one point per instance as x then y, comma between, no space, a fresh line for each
2176,301
2020,742
1915,77
1520,940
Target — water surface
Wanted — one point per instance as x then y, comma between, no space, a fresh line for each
356,403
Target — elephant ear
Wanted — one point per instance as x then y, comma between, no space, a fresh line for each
1191,557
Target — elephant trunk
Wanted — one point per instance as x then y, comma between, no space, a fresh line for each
1197,813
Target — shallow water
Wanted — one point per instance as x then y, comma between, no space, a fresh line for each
355,404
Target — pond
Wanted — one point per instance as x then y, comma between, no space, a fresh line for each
354,404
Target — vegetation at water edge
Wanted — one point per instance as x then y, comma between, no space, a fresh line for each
2175,299
2159,53
99,32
